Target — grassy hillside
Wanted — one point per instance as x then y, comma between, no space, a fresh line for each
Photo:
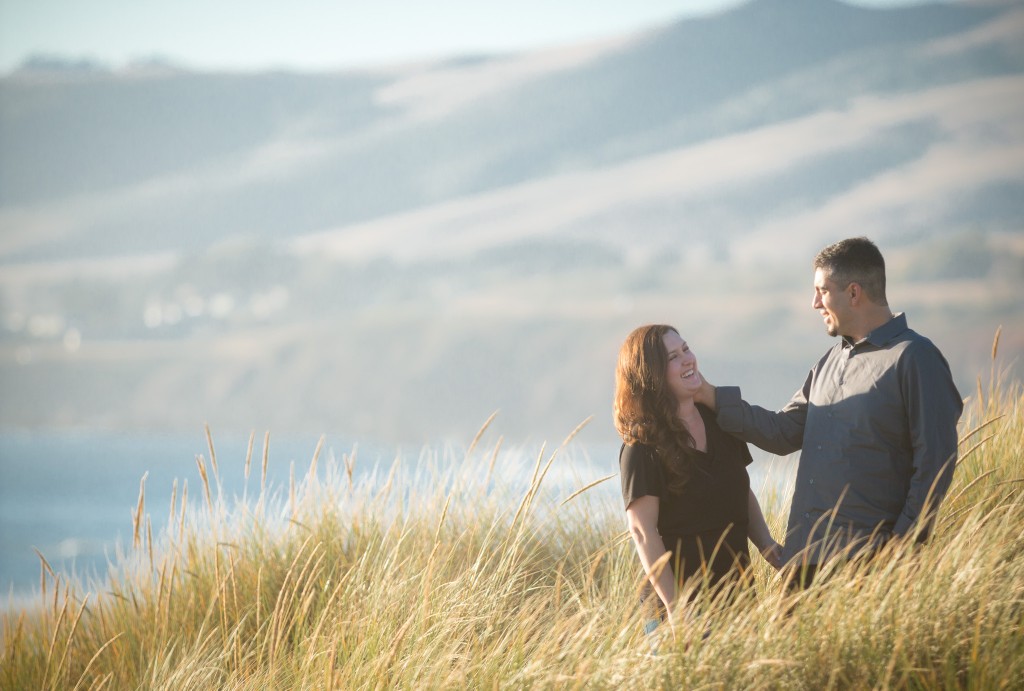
460,579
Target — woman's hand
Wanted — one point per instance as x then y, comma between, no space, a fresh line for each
759,534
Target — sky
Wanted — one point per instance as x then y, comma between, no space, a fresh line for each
318,34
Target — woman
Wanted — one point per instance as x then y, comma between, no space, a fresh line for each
684,480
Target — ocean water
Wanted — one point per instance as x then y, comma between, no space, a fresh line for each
71,496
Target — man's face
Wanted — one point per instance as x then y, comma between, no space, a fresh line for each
832,302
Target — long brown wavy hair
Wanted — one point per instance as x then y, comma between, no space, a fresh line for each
645,409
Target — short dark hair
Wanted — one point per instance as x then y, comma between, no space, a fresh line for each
855,260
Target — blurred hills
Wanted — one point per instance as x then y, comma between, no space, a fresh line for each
396,253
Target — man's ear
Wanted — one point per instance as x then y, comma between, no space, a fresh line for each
856,292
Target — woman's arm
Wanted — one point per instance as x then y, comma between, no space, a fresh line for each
759,534
642,518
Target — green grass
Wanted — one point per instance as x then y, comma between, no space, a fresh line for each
394,584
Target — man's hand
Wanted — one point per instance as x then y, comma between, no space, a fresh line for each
706,395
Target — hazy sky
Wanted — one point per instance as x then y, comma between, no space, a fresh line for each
317,34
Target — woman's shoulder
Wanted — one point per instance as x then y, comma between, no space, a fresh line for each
640,472
637,452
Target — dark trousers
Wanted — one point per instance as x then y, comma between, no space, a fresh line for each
801,577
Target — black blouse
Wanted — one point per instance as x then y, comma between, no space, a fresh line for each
712,504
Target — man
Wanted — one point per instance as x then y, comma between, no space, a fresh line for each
876,420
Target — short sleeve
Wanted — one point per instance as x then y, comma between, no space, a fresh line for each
743,454
740,449
641,473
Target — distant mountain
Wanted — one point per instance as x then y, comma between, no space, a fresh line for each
139,162
43,64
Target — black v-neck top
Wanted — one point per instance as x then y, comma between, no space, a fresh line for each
713,503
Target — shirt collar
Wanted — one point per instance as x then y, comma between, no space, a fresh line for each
884,333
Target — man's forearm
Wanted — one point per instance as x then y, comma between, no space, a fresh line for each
776,432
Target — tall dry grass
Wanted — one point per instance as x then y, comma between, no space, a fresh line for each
447,579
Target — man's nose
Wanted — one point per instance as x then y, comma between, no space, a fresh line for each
816,301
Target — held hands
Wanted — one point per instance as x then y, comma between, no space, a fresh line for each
772,554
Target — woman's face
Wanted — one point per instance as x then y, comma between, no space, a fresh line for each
681,373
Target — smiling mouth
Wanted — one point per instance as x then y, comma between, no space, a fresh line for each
688,374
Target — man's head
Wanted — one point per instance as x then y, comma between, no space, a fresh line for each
849,287
855,260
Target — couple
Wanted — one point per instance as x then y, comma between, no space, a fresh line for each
876,421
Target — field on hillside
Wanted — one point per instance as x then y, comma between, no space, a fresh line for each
337,584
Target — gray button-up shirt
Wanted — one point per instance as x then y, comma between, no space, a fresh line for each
876,421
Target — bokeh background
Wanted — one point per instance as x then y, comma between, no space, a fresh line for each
388,221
